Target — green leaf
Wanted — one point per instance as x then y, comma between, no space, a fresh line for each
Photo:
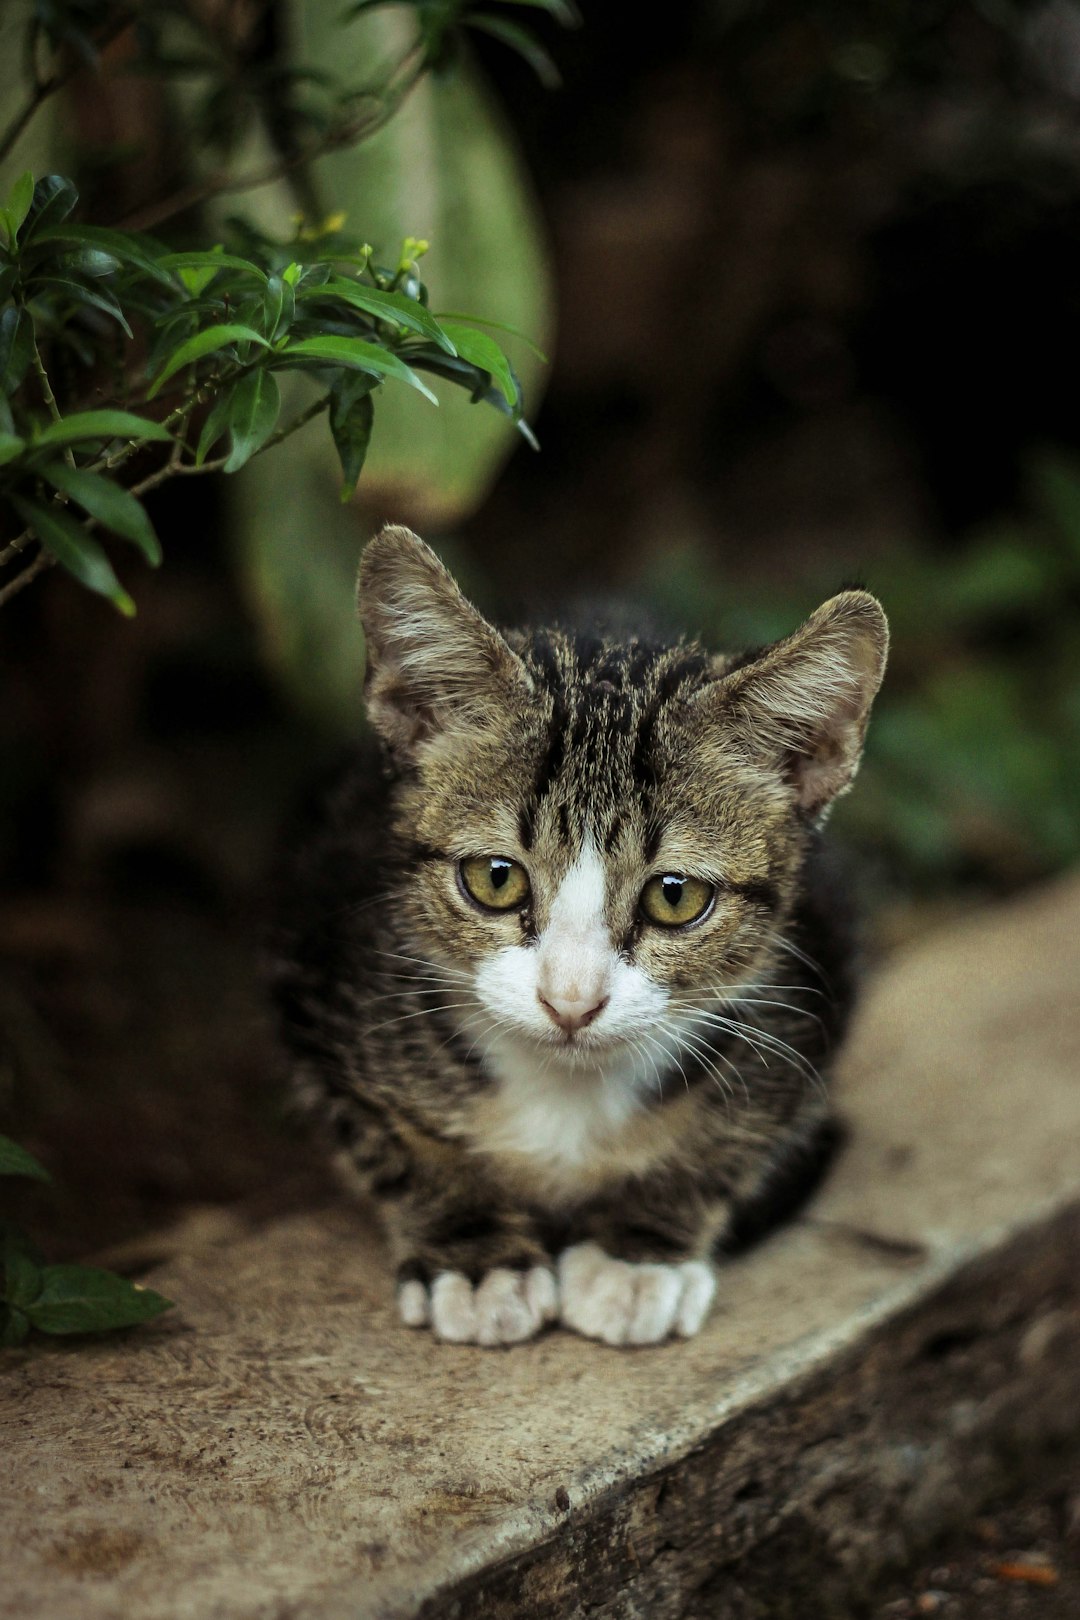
18,205
211,261
216,422
22,1278
195,281
520,40
16,347
14,1327
351,416
100,425
54,198
252,416
117,508
357,354
74,550
91,261
84,1299
496,326
10,447
563,11
484,352
14,1241
20,1264
385,306
15,1161
98,297
20,198
279,306
130,247
209,341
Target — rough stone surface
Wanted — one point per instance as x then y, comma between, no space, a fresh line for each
281,1448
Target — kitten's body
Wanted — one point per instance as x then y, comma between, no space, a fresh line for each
568,1086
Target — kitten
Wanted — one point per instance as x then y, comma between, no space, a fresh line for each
560,962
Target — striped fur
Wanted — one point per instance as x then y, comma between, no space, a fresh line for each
525,1169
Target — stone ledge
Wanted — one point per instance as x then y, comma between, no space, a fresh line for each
281,1449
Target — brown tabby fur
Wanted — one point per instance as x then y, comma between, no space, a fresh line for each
521,744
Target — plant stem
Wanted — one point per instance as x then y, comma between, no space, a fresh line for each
16,547
46,386
172,468
46,390
42,561
41,93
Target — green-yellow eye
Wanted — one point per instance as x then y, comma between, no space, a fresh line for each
494,882
673,901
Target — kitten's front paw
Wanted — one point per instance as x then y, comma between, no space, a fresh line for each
624,1303
505,1307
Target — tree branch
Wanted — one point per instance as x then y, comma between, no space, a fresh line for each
16,547
409,71
46,389
172,468
42,561
44,88
41,93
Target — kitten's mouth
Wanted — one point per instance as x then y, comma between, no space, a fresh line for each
582,1042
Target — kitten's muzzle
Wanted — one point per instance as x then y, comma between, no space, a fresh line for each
571,1015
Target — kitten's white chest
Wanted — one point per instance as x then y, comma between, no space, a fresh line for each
567,1126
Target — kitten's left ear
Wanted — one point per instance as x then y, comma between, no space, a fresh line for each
433,661
804,703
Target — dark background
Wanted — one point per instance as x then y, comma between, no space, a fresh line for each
816,270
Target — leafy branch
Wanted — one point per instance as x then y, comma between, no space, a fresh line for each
211,329
59,1299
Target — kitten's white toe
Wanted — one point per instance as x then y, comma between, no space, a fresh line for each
413,1304
514,1305
542,1293
453,1308
624,1303
698,1293
505,1307
653,1305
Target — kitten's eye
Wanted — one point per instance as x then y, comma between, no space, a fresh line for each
672,901
494,882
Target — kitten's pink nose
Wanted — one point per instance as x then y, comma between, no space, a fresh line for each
569,1013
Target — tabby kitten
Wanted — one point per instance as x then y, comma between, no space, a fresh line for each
559,965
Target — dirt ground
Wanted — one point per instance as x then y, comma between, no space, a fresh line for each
1018,1561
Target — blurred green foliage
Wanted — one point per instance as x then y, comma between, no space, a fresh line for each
445,165
972,766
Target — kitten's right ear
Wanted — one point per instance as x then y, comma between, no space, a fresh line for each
433,661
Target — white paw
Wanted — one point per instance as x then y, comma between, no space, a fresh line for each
624,1303
505,1307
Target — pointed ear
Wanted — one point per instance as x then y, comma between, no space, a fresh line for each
433,662
803,704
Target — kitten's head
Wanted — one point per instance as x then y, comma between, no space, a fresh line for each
604,833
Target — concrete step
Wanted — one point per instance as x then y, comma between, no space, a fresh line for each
279,1448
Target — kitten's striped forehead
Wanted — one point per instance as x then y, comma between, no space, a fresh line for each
607,701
